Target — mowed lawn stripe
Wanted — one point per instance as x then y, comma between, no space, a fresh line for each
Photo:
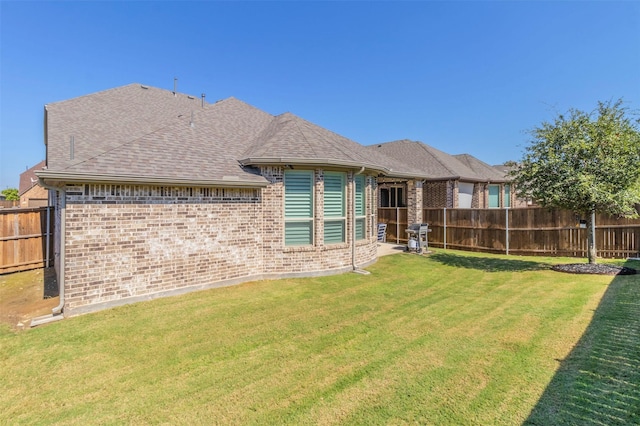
454,338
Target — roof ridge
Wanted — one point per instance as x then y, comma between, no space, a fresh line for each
437,158
306,140
339,147
125,86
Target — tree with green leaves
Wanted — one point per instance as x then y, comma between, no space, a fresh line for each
585,162
10,194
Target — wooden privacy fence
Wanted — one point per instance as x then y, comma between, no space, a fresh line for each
26,239
396,220
527,231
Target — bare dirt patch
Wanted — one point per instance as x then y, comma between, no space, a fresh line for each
26,295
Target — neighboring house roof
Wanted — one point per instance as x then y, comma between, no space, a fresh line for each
489,173
142,134
432,163
504,169
28,178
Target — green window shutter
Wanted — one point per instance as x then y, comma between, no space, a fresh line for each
360,201
298,207
334,207
360,228
298,233
334,231
494,196
334,194
298,194
507,195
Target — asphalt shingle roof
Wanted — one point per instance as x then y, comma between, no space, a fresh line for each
290,138
489,173
149,133
106,120
433,164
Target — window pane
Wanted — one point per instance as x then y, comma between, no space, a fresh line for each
360,228
333,231
298,204
298,233
360,201
384,197
494,196
507,195
334,194
298,193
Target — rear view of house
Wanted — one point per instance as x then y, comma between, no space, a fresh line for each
160,193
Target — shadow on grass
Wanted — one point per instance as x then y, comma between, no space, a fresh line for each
599,381
488,264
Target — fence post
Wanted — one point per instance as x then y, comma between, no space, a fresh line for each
506,215
444,240
48,239
397,225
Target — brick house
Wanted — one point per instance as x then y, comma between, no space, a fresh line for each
452,181
159,193
32,194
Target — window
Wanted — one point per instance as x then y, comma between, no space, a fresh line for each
392,197
361,219
494,196
298,207
334,207
465,195
507,195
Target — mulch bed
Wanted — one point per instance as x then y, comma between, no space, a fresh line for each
599,269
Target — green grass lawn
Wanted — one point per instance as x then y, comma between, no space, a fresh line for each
452,338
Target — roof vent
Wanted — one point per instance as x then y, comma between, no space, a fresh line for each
175,85
144,87
190,97
203,96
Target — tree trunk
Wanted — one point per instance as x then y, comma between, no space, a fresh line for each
591,236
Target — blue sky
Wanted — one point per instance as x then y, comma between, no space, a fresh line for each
465,77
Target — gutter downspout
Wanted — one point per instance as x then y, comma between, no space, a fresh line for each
58,310
354,266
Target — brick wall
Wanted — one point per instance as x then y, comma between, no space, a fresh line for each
414,201
436,194
480,192
127,243
292,261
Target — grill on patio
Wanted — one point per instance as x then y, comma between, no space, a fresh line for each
417,237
